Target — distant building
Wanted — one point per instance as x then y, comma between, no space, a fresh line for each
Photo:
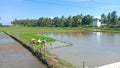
113,65
96,21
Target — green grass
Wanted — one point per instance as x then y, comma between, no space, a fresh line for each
28,37
22,30
42,30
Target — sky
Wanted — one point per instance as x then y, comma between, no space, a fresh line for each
34,9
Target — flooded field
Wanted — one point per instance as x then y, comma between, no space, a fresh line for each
93,48
14,55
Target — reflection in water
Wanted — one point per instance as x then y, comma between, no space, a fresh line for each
94,48
98,35
5,39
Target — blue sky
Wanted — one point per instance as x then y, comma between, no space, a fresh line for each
22,9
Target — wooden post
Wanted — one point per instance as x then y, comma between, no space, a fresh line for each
83,64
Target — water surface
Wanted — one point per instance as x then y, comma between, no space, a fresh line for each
93,48
5,39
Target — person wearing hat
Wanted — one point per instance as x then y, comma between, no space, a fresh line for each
32,41
39,41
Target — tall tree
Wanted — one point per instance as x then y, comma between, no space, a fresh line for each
63,20
68,22
103,19
77,21
87,20
114,17
50,22
57,22
118,23
109,18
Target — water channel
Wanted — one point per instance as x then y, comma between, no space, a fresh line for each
93,48
14,55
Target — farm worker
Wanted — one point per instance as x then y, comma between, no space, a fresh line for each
39,41
44,41
32,41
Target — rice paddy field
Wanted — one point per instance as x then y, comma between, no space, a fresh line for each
25,34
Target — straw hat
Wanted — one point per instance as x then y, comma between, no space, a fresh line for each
33,39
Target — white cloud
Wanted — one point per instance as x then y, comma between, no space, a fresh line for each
51,17
99,17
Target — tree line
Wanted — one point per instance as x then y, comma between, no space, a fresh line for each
111,20
70,21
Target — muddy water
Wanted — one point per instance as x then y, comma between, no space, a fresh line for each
14,55
93,48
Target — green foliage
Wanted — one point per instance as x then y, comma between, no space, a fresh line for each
68,22
77,21
110,20
103,19
74,21
57,22
0,25
87,20
36,36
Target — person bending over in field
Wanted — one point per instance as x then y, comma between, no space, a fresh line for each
45,43
39,41
32,41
